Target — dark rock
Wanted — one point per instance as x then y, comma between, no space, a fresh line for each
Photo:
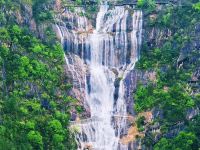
116,92
73,116
130,83
45,104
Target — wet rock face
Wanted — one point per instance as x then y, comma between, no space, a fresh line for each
130,83
76,70
72,30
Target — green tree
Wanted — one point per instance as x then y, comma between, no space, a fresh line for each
36,139
34,115
197,6
147,5
184,141
163,144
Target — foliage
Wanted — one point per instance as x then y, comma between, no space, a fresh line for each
34,101
173,102
146,5
143,98
193,126
36,139
42,11
91,9
166,52
184,141
78,2
158,57
140,122
173,30
197,6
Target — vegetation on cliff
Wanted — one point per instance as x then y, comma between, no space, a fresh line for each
175,58
34,93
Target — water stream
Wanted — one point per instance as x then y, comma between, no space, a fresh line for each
110,52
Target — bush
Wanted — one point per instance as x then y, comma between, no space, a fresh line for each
35,138
140,122
147,5
197,6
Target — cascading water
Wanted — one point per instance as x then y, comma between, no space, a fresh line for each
110,52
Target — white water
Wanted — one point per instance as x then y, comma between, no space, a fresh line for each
110,47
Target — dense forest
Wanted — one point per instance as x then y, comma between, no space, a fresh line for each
35,104
34,100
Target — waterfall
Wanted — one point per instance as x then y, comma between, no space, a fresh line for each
110,52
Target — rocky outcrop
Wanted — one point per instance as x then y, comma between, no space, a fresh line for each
77,71
131,81
190,55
